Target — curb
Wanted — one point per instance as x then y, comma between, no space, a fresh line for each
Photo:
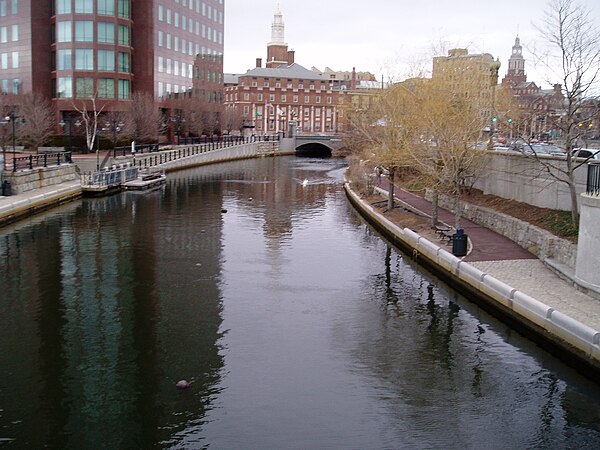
574,342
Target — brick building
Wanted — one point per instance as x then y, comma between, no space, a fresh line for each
267,99
73,50
539,109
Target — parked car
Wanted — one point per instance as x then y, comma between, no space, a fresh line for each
592,153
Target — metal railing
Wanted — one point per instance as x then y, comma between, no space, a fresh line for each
139,149
110,177
593,178
43,160
166,156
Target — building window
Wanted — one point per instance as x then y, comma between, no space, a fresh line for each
84,87
64,31
64,87
260,98
15,60
84,59
160,64
16,84
14,8
106,60
4,61
123,61
124,9
318,99
64,57
295,99
284,98
63,6
106,88
106,32
161,14
84,6
3,34
306,99
15,33
124,35
2,14
84,31
106,7
123,89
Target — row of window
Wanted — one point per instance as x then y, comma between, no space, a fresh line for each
83,59
164,39
283,98
103,7
168,90
14,7
14,57
322,86
4,85
14,34
172,17
84,88
83,31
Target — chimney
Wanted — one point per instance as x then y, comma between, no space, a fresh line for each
258,62
290,57
353,81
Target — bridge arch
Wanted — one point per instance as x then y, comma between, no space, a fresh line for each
320,149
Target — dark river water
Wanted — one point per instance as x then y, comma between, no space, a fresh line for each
294,323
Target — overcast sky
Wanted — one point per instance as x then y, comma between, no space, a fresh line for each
389,38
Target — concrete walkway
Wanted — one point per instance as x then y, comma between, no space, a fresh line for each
508,262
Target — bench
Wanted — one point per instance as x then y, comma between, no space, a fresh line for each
444,231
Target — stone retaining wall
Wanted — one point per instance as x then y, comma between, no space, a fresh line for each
541,243
28,180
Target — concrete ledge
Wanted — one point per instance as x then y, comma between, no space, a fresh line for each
576,342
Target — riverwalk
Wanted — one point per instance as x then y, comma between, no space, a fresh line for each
512,281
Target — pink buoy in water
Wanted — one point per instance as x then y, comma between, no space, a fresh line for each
182,384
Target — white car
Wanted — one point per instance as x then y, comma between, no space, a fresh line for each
592,153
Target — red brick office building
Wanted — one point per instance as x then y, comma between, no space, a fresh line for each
73,50
267,99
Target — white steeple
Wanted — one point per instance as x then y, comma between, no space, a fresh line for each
277,28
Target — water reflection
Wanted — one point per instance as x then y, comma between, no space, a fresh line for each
297,326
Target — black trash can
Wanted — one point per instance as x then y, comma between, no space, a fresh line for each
459,243
6,188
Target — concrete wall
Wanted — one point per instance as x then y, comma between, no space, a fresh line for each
524,179
588,261
29,180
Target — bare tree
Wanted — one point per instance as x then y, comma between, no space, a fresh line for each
233,120
89,120
144,119
574,59
38,120
113,125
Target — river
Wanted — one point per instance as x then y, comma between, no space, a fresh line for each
295,324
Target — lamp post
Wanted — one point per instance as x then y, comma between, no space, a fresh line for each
3,122
11,117
494,68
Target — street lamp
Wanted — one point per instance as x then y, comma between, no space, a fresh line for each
3,122
494,68
11,117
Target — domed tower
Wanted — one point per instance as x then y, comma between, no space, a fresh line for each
277,49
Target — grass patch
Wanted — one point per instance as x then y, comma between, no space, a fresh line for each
559,222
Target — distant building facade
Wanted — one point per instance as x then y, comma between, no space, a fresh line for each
539,108
268,99
471,75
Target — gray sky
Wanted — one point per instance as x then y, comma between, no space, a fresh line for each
386,37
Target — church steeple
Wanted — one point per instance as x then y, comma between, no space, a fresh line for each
277,49
516,65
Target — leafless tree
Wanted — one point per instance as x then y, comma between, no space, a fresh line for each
144,120
233,120
89,120
38,120
573,60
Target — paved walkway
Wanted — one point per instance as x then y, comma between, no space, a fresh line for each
508,262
